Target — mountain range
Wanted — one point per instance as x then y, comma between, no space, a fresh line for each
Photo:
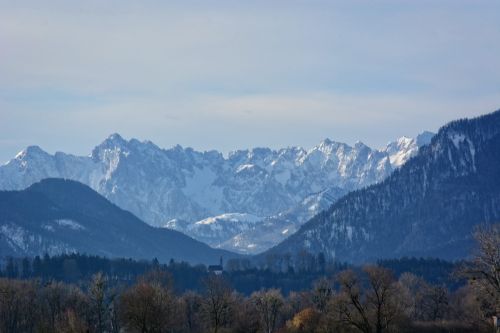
425,198
227,201
61,216
427,208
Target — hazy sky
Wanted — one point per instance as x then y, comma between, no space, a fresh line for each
236,74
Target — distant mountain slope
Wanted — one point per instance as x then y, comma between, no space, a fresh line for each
258,237
57,216
161,185
428,207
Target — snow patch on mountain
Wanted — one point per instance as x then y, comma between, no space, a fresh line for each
230,218
457,139
14,234
67,224
70,224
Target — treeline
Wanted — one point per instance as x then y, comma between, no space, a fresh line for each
243,275
433,270
78,269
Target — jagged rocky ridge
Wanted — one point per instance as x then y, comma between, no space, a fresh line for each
178,187
428,207
59,216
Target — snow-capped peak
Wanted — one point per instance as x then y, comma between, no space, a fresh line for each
404,148
326,143
115,137
360,145
113,141
404,140
29,152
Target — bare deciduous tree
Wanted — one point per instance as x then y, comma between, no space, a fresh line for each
411,289
322,294
191,305
148,306
268,304
350,304
373,306
484,270
382,296
435,302
98,301
18,311
217,301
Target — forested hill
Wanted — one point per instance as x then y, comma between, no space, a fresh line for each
428,207
60,216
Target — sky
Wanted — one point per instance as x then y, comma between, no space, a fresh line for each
230,75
